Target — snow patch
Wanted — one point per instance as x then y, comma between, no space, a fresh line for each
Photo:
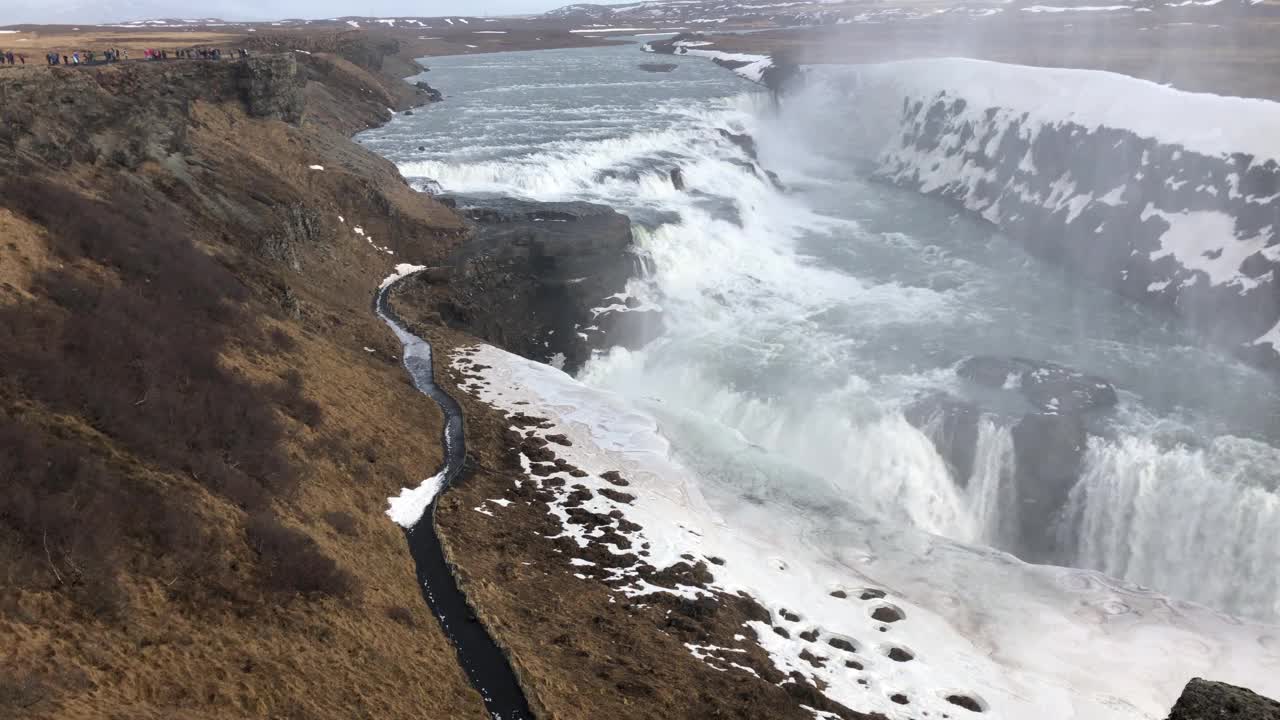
407,508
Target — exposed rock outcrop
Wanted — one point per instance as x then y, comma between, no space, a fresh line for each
952,425
546,280
130,113
1048,450
1207,700
1052,388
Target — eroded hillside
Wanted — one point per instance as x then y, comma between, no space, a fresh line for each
201,416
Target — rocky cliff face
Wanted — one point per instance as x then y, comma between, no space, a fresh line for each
126,114
1169,198
544,280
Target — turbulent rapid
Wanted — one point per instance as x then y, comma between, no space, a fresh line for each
802,322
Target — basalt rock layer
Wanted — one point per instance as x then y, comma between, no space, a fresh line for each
547,281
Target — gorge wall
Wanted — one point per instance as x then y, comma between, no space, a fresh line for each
1167,197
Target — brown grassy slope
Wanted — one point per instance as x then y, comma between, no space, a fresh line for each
197,447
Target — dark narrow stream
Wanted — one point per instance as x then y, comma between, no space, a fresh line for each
484,663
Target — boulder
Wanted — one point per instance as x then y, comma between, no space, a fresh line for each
742,140
1048,452
677,178
1207,700
547,280
952,425
433,95
1051,388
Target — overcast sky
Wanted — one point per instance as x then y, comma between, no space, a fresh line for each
104,11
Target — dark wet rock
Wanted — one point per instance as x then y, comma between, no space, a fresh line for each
965,702
812,659
742,140
842,644
900,699
898,654
677,178
617,496
533,278
658,67
1207,700
952,425
810,635
871,594
1052,388
788,615
888,614
407,112
839,594
1048,452
432,94
668,46
782,632
614,477
781,76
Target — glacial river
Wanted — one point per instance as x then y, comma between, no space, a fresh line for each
802,321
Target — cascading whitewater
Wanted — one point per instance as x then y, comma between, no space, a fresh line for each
1190,522
991,492
801,322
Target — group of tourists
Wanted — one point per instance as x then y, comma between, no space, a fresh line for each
92,57
87,57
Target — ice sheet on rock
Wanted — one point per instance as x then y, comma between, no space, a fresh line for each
1024,641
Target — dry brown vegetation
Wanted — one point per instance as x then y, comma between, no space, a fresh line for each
196,450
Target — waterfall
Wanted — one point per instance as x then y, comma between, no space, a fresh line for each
991,491
1190,522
